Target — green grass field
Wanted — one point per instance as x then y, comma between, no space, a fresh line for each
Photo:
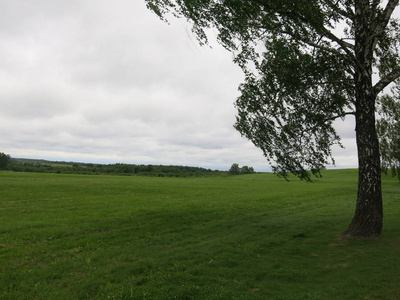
240,237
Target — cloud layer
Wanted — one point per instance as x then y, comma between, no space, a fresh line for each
107,81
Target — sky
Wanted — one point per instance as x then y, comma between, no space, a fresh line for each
105,81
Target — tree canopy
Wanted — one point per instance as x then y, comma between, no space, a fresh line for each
299,59
306,64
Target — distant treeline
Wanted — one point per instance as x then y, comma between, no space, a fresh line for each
62,167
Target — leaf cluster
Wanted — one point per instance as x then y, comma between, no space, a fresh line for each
388,127
288,108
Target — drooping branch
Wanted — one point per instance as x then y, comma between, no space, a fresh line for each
347,47
323,31
381,21
313,44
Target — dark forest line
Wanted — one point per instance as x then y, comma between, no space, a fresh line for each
63,167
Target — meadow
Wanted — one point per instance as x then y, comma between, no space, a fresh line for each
222,237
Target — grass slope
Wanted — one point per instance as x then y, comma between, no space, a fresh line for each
240,237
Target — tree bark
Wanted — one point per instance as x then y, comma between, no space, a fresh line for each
368,216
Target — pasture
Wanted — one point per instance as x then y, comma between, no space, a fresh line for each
224,237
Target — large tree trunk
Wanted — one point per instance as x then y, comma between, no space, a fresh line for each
368,217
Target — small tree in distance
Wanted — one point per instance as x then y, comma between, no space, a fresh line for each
236,170
246,170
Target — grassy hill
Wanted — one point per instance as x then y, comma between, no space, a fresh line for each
223,237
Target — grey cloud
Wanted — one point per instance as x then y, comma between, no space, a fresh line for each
34,103
106,81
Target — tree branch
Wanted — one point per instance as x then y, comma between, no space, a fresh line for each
385,81
291,15
341,116
344,45
381,21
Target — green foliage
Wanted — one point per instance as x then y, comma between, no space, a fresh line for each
236,170
237,237
300,73
246,170
388,127
283,111
4,160
307,63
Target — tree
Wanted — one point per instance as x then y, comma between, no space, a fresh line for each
4,160
246,170
234,170
306,64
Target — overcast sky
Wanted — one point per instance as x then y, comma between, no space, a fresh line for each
106,81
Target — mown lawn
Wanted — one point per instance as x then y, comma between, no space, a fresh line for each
240,237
